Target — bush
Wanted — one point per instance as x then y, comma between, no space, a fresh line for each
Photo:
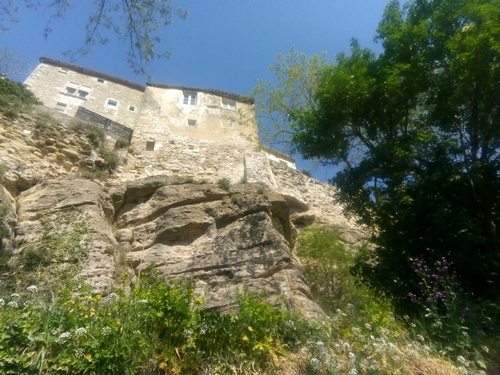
94,134
224,183
121,143
111,159
15,98
47,126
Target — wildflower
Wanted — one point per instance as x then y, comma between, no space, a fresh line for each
32,289
113,296
350,306
290,323
105,331
80,331
353,372
320,343
64,336
136,332
187,332
368,326
79,353
203,328
143,301
15,296
303,351
351,356
2,302
13,304
314,361
346,345
152,363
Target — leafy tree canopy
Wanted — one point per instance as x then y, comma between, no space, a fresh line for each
137,22
417,132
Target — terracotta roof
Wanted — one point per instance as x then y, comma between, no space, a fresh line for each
238,98
92,73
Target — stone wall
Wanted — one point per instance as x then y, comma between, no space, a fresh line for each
63,87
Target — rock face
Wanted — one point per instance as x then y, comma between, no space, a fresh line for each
222,238
225,241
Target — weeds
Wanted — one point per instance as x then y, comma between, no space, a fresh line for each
224,183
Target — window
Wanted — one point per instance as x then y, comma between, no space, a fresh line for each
150,145
82,94
131,108
189,98
112,104
229,104
63,71
60,106
192,123
100,80
76,90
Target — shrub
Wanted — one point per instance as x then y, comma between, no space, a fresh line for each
111,159
47,126
121,143
15,98
92,132
224,183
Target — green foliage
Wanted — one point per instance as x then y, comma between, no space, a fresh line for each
93,133
224,183
139,24
58,255
47,126
327,266
296,78
416,130
111,159
15,98
121,143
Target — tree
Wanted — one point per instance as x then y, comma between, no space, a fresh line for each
297,76
136,22
10,63
417,130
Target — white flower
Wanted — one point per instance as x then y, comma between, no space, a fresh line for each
80,331
187,332
79,353
351,356
346,345
136,332
143,301
105,331
353,372
368,326
15,296
203,328
320,343
314,361
64,336
290,323
2,302
13,304
303,351
113,296
32,289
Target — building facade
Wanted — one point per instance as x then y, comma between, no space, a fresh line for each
171,129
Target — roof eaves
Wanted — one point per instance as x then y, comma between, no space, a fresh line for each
93,73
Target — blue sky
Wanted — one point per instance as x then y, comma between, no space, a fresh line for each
223,44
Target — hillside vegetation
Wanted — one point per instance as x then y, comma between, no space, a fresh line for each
54,324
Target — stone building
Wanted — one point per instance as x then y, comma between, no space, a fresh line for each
171,129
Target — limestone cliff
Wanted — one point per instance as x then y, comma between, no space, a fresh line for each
224,238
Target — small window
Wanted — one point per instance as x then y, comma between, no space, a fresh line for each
192,123
70,90
229,104
112,104
63,71
100,80
150,145
82,94
189,98
131,108
60,106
